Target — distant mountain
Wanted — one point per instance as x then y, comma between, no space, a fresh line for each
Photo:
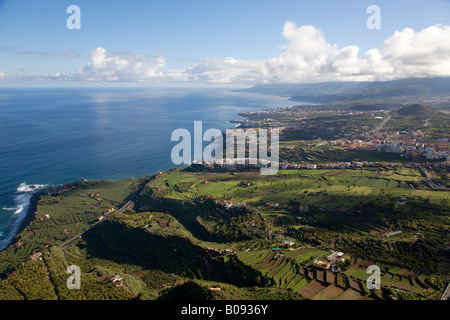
415,110
332,92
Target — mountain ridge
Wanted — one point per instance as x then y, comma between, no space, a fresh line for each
353,91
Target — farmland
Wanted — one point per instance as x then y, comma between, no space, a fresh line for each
289,269
245,235
59,218
329,188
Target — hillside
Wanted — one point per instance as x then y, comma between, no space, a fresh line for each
402,90
416,110
190,235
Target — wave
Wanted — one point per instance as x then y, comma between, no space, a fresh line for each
26,192
23,187
22,201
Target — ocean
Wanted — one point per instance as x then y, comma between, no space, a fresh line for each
52,136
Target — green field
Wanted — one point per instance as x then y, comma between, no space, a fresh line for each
327,188
182,221
74,210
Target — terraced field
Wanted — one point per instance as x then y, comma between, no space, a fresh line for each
70,213
348,211
392,276
324,187
293,270
286,270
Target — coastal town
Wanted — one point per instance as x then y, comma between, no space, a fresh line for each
362,130
345,139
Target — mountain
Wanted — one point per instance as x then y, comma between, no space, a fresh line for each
415,110
347,91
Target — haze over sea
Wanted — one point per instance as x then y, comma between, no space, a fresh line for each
60,135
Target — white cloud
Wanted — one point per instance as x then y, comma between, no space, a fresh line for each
307,57
419,53
120,67
47,54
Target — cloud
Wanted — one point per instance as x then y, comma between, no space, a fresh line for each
47,54
21,77
120,66
419,53
307,57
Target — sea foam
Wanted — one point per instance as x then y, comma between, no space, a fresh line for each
22,200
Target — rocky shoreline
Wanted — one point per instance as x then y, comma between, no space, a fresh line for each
29,217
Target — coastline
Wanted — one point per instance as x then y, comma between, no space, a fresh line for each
33,206
29,217
34,200
219,110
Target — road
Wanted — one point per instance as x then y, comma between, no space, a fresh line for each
382,123
446,295
69,242
129,203
125,206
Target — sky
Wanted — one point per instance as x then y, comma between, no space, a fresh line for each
222,42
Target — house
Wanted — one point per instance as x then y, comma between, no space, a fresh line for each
335,255
116,278
401,201
303,209
392,233
36,257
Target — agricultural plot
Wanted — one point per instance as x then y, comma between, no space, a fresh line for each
394,269
357,273
347,211
329,293
312,289
350,294
302,255
320,187
60,218
392,276
283,267
252,257
284,271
